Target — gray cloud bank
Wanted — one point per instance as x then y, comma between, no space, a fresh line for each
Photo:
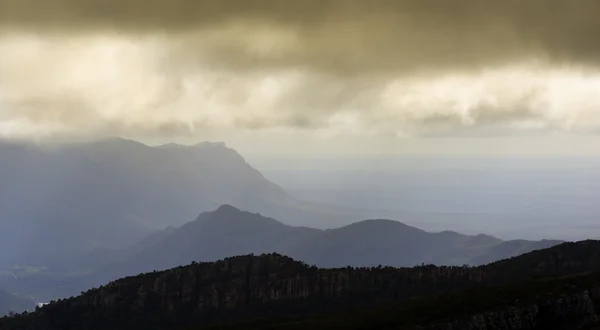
341,36
408,67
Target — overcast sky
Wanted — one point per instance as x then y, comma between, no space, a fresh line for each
305,77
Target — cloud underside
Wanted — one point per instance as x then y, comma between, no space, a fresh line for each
83,67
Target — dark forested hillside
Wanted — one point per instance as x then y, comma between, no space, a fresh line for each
564,259
562,303
273,286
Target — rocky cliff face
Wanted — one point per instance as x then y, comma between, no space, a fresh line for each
248,281
242,286
578,310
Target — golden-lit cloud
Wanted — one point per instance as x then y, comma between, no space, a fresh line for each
85,68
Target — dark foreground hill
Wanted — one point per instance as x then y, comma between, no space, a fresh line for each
554,288
229,231
563,303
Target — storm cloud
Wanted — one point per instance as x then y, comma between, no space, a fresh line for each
157,67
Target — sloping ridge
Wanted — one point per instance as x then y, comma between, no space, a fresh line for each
229,231
68,200
271,284
564,259
110,193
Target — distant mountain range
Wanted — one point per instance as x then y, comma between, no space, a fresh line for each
554,288
77,215
229,231
58,202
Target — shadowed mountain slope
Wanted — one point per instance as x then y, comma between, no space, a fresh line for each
59,202
229,231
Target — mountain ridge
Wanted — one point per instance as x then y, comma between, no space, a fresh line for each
226,219
230,231
111,192
275,287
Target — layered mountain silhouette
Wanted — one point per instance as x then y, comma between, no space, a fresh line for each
554,288
57,202
229,231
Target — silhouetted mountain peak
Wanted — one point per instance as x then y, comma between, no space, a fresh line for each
201,145
381,225
116,142
211,144
172,146
227,209
119,142
223,212
230,218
